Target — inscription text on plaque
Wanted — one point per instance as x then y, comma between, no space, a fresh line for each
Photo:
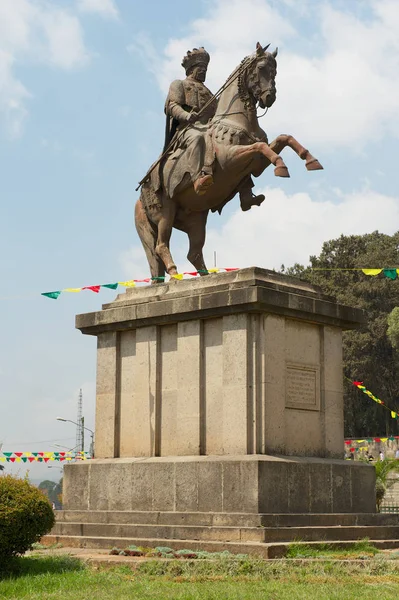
302,387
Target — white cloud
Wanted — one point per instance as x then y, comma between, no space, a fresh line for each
289,228
105,8
339,89
33,31
285,229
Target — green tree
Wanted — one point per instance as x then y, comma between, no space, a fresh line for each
393,327
383,469
52,490
368,353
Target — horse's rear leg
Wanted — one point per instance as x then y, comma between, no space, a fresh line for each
194,224
148,235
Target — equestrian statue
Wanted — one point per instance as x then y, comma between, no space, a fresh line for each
213,147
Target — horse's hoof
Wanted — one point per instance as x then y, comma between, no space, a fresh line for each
281,171
313,165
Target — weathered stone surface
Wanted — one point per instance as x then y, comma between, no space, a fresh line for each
232,485
252,289
186,373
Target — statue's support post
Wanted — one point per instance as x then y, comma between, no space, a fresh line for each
220,394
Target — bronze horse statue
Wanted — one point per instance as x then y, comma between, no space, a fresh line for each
240,149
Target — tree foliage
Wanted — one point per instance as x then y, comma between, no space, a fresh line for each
393,327
25,516
52,490
368,354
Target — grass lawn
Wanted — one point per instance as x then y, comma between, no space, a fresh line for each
66,578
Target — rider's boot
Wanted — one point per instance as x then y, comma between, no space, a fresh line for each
203,182
248,199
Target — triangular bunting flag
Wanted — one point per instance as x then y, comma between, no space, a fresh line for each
390,273
93,288
372,271
53,295
111,286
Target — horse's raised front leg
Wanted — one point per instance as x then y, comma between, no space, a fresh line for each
165,225
283,140
243,153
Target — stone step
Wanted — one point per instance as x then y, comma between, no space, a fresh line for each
227,519
164,532
253,548
227,534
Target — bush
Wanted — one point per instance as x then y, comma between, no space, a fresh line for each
25,515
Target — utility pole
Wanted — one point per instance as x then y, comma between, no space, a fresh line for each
80,424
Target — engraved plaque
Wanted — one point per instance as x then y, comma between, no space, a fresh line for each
302,387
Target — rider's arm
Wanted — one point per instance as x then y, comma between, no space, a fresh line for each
175,101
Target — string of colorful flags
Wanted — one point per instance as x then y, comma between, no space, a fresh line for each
391,273
132,282
42,456
362,388
375,440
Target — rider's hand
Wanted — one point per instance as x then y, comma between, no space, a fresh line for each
192,117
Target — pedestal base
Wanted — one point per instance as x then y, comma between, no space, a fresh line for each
232,484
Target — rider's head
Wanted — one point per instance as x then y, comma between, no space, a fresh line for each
196,63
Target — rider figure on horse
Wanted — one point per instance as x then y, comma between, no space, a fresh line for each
186,98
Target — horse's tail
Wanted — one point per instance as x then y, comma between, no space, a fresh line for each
148,233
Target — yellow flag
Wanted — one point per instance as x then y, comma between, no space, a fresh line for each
3,458
393,414
130,283
18,459
27,453
177,276
383,439
372,271
213,270
359,441
72,290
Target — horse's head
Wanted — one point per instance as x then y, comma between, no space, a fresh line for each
257,80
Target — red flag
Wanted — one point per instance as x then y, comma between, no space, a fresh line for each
348,442
62,458
18,453
12,458
357,382
194,273
377,439
40,453
233,269
93,288
46,459
352,449
31,458
142,280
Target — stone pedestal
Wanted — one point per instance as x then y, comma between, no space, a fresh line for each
239,376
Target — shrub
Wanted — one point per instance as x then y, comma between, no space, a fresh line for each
25,515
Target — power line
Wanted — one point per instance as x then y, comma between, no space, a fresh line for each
40,442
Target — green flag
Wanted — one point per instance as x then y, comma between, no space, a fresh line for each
391,273
111,286
53,295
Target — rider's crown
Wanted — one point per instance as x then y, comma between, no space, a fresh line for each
197,56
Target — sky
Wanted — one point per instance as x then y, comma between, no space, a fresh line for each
82,90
